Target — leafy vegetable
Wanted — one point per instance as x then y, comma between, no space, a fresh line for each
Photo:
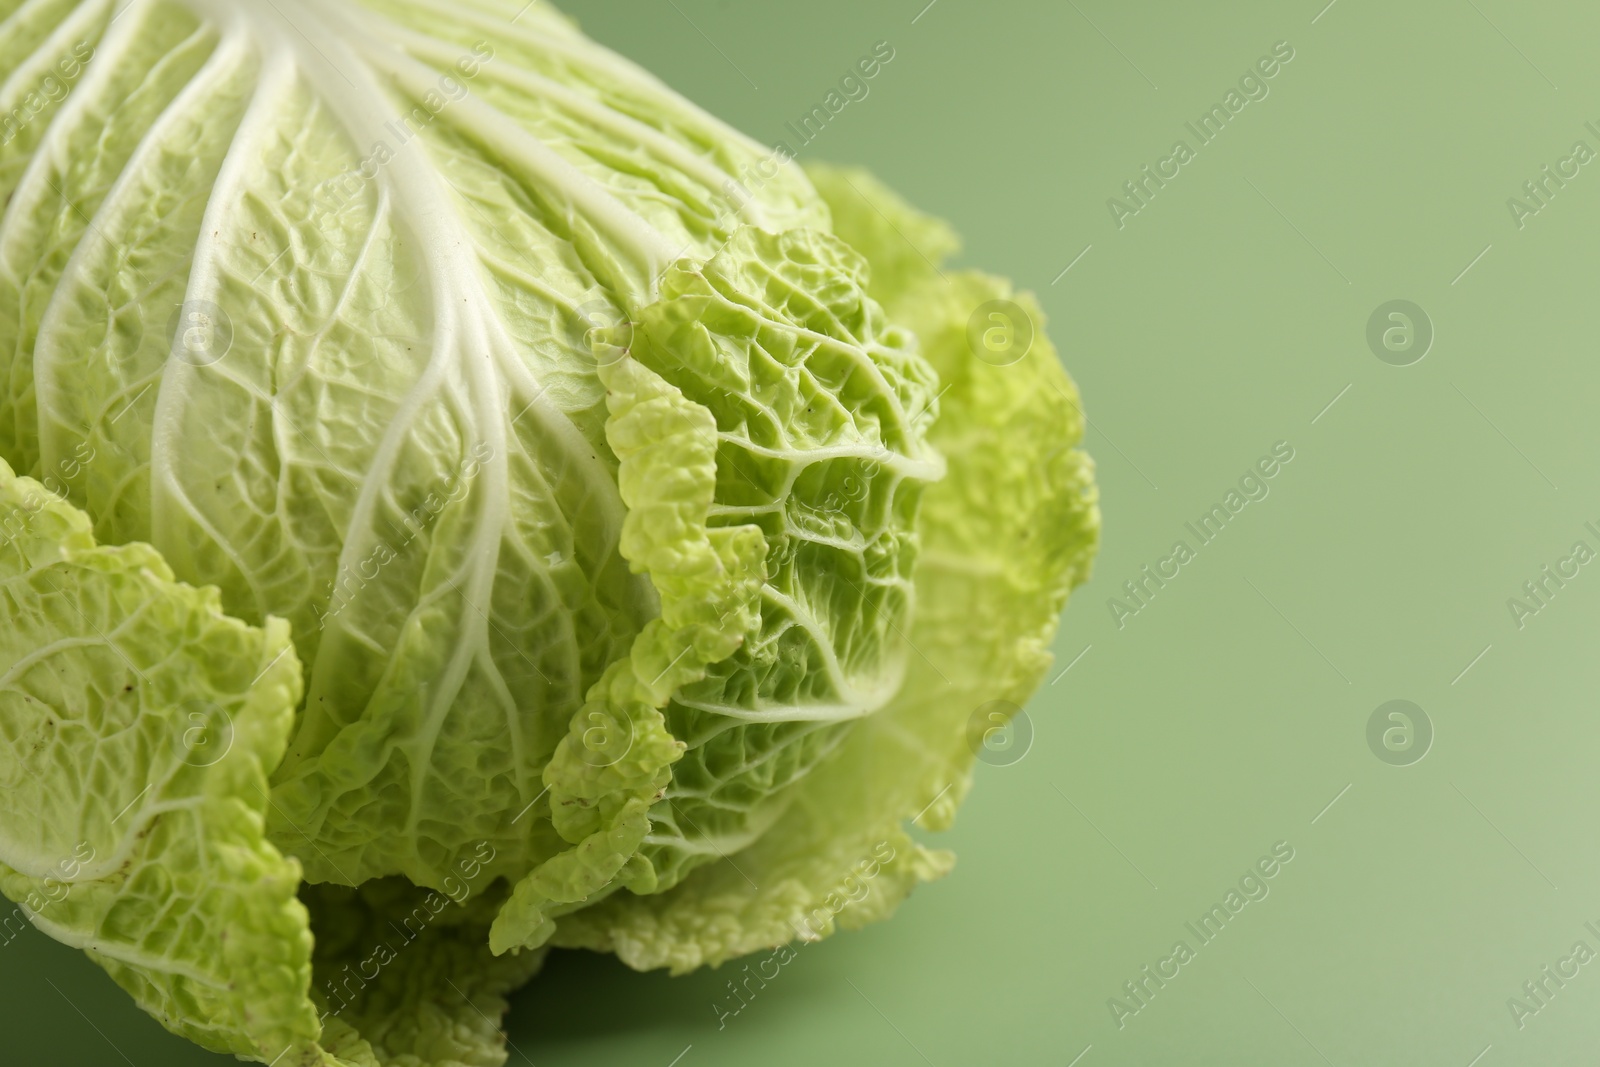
444,511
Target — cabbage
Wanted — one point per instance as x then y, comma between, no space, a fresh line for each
458,498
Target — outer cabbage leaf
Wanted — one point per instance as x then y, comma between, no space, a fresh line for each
53,195
1005,536
43,48
804,447
590,487
614,762
137,726
904,246
819,403
363,272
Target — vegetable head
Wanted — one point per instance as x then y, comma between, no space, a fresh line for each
450,506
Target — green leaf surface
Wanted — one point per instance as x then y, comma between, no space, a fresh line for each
139,723
1005,536
540,506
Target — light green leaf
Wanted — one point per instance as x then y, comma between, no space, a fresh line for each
139,723
820,405
614,761
59,173
815,457
564,438
904,245
1005,536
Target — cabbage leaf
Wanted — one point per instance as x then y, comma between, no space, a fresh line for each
458,498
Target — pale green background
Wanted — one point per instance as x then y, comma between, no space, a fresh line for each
1222,319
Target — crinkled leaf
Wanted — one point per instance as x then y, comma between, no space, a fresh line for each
806,443
374,310
137,727
1005,536
820,407
137,724
902,244
614,761
595,479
